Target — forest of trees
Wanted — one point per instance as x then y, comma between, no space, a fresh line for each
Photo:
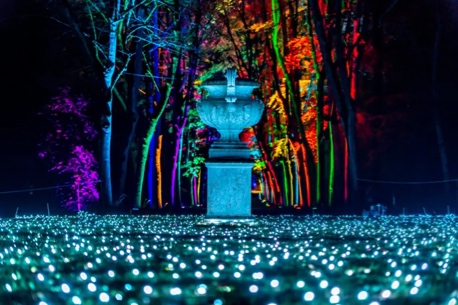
345,85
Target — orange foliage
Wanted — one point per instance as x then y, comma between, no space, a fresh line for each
300,54
261,26
308,119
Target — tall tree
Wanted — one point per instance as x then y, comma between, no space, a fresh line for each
132,47
338,25
173,64
111,25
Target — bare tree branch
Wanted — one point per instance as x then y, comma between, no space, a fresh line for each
390,7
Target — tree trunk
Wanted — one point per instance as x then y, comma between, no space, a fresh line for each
133,111
331,165
339,82
175,180
107,112
146,145
156,99
352,153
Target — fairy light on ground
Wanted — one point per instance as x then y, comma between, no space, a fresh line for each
309,296
334,299
91,287
362,295
324,284
148,289
254,288
386,294
202,289
293,259
104,297
65,288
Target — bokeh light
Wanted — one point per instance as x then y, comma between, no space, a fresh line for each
88,259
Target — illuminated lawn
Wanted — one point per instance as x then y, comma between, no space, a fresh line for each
284,260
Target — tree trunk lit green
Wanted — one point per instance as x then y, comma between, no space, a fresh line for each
146,145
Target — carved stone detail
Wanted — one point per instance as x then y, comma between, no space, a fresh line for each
230,107
230,118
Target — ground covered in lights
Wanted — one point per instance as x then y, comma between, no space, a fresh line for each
88,259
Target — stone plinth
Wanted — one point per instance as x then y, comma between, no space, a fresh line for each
229,188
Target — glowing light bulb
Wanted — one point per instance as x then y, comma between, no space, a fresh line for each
309,296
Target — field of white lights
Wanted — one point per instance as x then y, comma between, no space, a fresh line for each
88,259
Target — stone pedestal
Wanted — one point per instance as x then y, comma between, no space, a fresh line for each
229,188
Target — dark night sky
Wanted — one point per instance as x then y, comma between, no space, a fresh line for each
24,44
27,83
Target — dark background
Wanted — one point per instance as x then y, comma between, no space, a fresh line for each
24,64
32,69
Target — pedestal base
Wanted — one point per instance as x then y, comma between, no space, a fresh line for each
229,188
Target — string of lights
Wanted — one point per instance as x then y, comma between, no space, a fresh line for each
40,188
148,75
360,179
408,182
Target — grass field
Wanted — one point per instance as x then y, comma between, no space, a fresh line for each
88,259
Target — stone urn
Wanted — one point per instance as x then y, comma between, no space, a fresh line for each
229,106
